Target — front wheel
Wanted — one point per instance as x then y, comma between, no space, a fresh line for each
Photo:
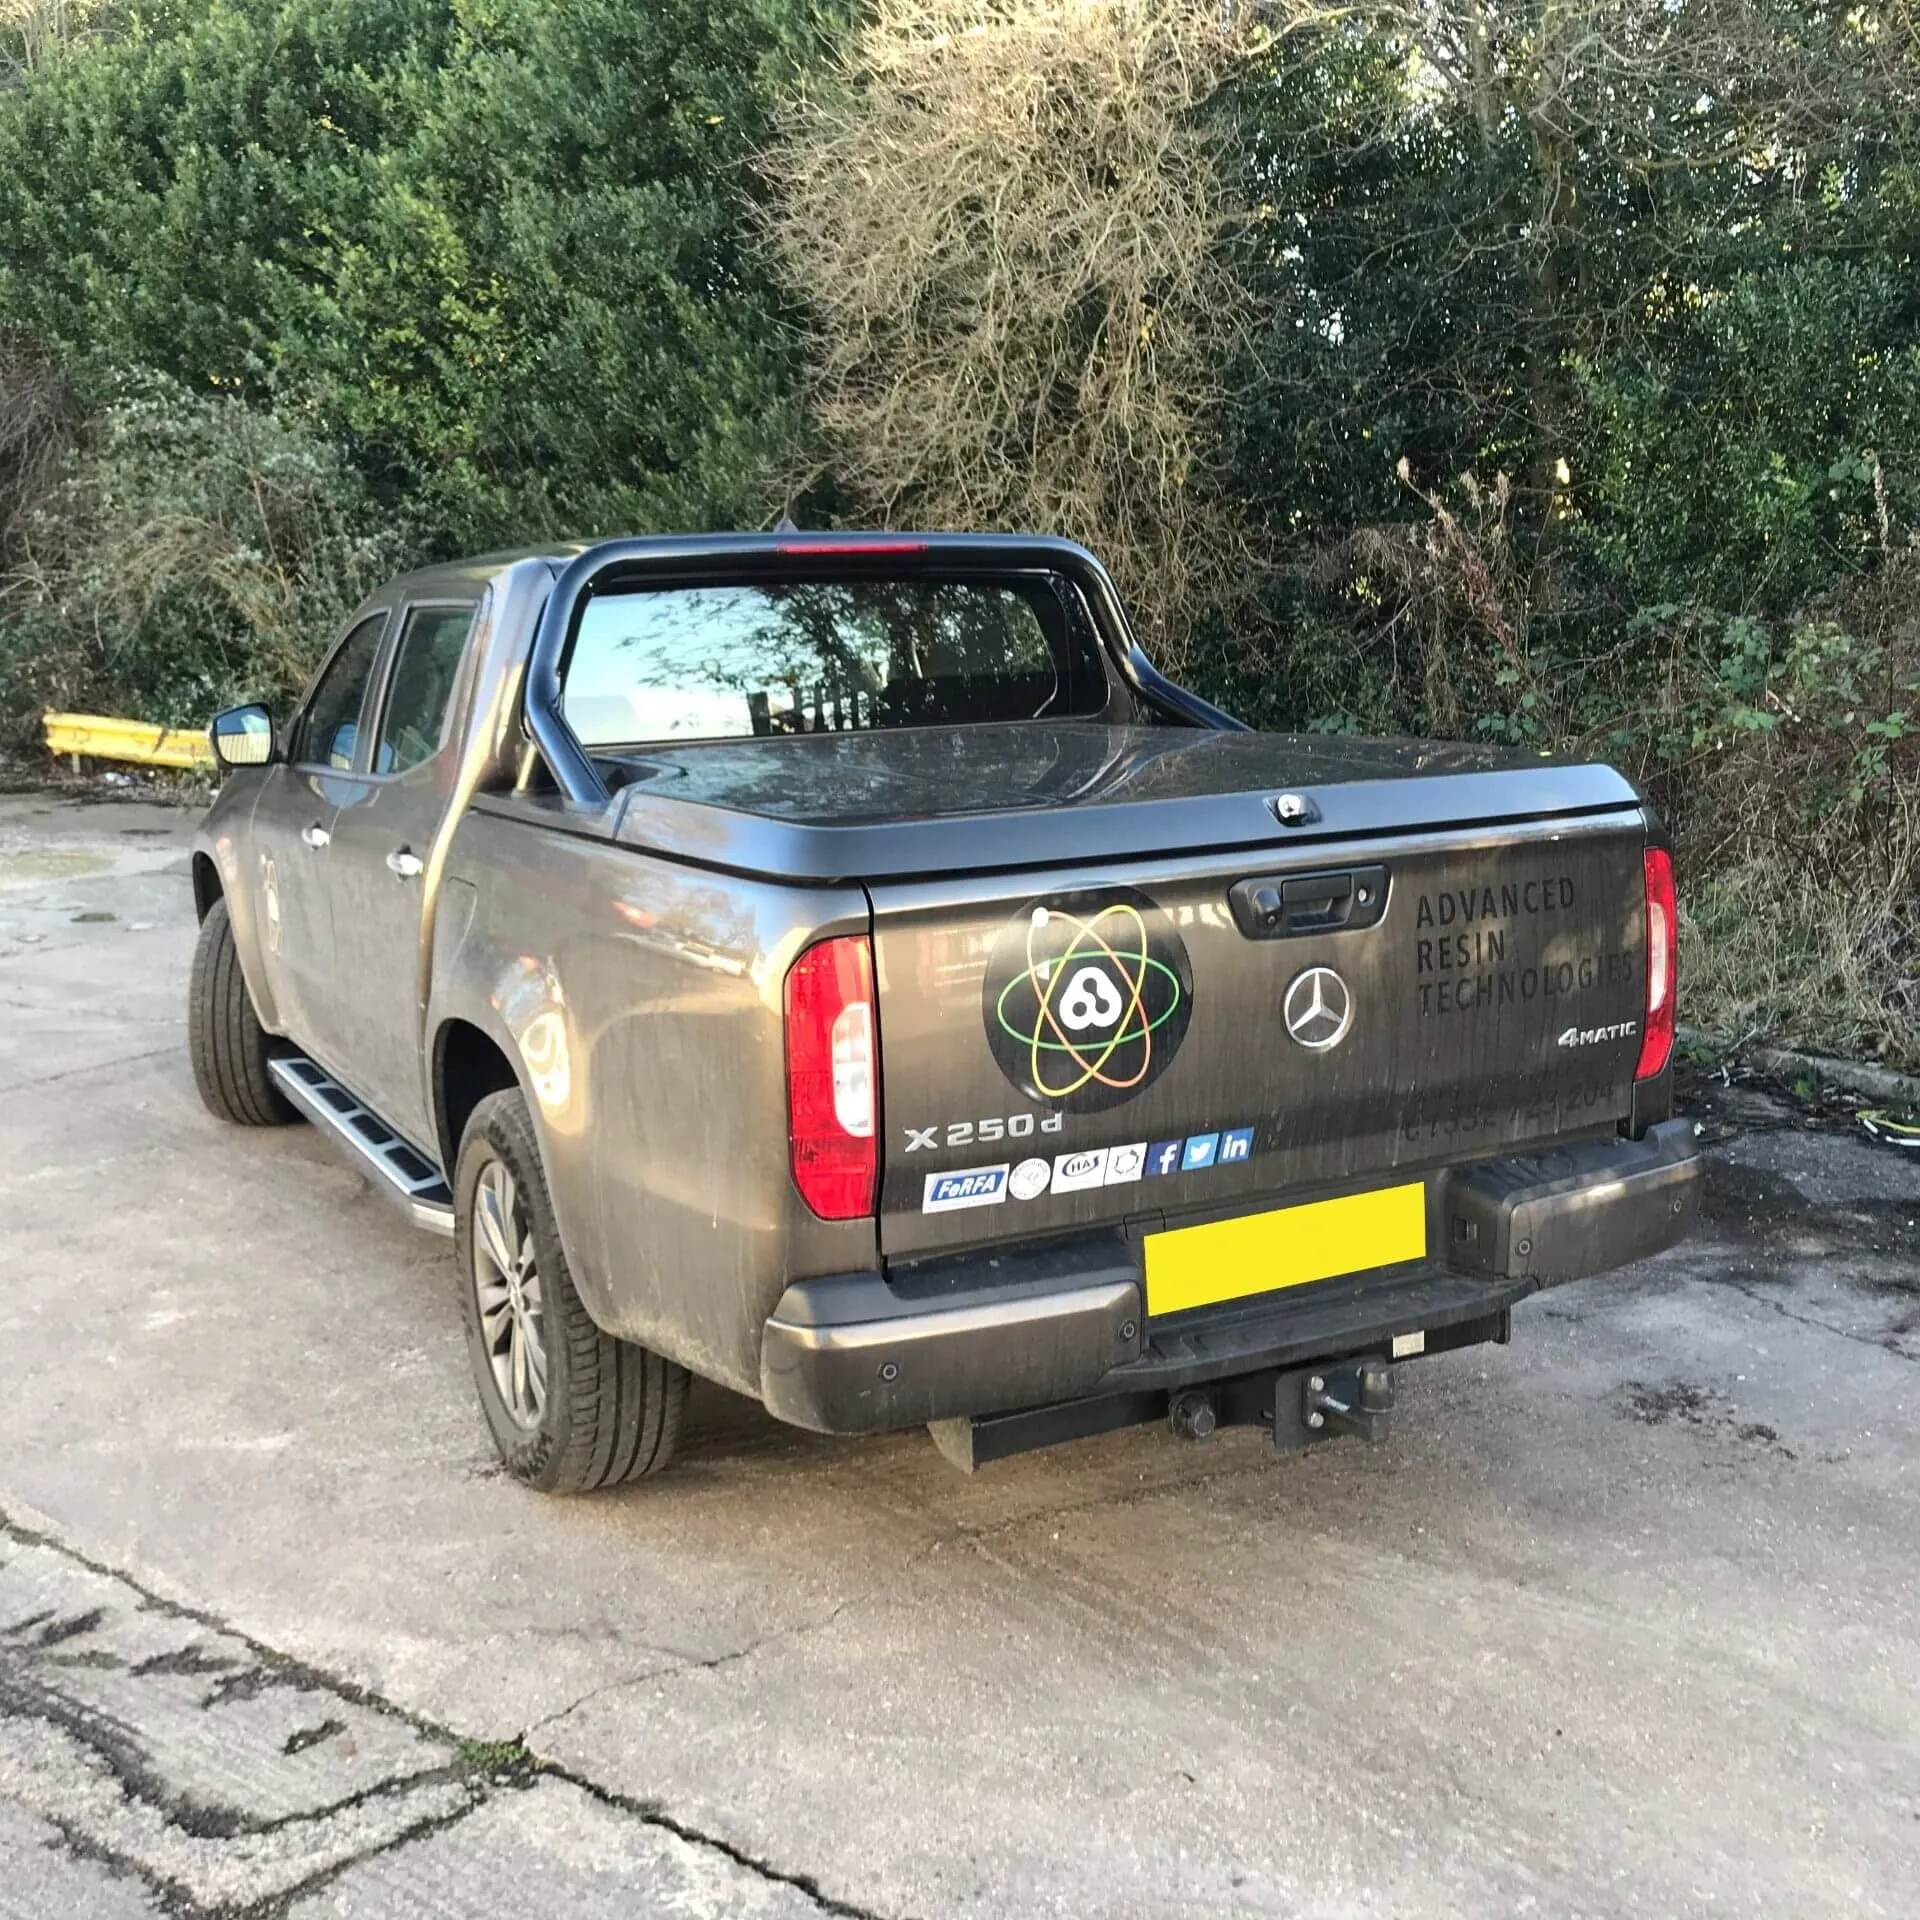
227,1044
570,1407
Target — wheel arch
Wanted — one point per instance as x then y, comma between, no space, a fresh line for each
206,885
468,1064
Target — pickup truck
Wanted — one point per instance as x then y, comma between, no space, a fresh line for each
843,968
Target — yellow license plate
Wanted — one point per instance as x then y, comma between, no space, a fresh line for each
1230,1259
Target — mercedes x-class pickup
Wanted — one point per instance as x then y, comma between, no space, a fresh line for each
842,967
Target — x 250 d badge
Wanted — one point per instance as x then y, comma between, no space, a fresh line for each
1087,998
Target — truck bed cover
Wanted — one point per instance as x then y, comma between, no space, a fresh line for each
878,807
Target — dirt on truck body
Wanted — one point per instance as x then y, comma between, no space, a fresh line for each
846,969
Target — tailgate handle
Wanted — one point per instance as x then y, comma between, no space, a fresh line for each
1280,906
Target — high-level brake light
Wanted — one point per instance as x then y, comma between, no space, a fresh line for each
1656,1031
870,543
833,1077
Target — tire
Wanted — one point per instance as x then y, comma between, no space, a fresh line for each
608,1411
225,1040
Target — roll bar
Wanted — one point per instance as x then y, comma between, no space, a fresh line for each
629,560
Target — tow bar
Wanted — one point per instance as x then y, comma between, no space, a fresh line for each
1299,1405
1318,1402
1302,1404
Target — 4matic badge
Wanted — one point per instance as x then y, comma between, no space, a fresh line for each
1597,1036
1087,998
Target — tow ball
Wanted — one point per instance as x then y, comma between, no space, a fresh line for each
1319,1402
1302,1404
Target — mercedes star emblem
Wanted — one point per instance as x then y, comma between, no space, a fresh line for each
1318,1009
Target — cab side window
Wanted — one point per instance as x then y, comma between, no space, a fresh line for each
331,730
427,664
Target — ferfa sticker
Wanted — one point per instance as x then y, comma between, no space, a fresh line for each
1126,1164
970,1187
1074,1171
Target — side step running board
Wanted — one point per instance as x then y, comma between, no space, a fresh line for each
407,1179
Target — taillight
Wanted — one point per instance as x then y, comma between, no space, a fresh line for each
1656,1031
833,1077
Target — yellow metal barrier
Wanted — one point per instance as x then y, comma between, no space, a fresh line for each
138,740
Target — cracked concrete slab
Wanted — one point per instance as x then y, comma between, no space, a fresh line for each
1619,1621
44,1875
212,1774
235,1734
153,1762
554,1849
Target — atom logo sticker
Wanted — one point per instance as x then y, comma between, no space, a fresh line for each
1087,998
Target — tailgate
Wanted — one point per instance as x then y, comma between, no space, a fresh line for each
1127,1046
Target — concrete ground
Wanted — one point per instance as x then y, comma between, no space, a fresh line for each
1622,1620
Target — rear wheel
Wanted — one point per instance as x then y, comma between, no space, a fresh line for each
227,1044
570,1407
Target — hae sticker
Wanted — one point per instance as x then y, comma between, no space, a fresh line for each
1074,1172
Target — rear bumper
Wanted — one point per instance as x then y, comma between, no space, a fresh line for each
862,1353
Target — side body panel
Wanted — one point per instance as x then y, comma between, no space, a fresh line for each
384,918
225,837
288,874
641,1002
373,1000
371,965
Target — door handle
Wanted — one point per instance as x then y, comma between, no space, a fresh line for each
316,836
404,863
1287,905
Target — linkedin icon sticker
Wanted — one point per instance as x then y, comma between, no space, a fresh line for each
1087,998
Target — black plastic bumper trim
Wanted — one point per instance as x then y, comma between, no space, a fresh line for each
1034,1327
1574,1210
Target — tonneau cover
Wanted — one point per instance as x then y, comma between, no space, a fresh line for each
895,805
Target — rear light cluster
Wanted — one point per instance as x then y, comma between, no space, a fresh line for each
833,1078
1656,1043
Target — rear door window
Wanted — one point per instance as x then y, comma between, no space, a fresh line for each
425,667
330,732
737,661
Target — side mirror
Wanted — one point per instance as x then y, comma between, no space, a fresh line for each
242,737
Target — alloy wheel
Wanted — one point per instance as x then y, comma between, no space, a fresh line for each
506,1286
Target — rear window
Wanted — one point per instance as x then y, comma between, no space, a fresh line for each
732,662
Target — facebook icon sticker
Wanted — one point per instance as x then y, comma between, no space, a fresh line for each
1237,1145
1200,1151
1163,1157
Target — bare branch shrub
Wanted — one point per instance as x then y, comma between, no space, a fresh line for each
32,427
1755,929
31,30
1006,220
188,550
1440,598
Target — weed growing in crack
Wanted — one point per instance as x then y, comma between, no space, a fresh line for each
503,1763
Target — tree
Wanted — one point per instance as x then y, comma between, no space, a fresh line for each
496,250
1006,222
1650,262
